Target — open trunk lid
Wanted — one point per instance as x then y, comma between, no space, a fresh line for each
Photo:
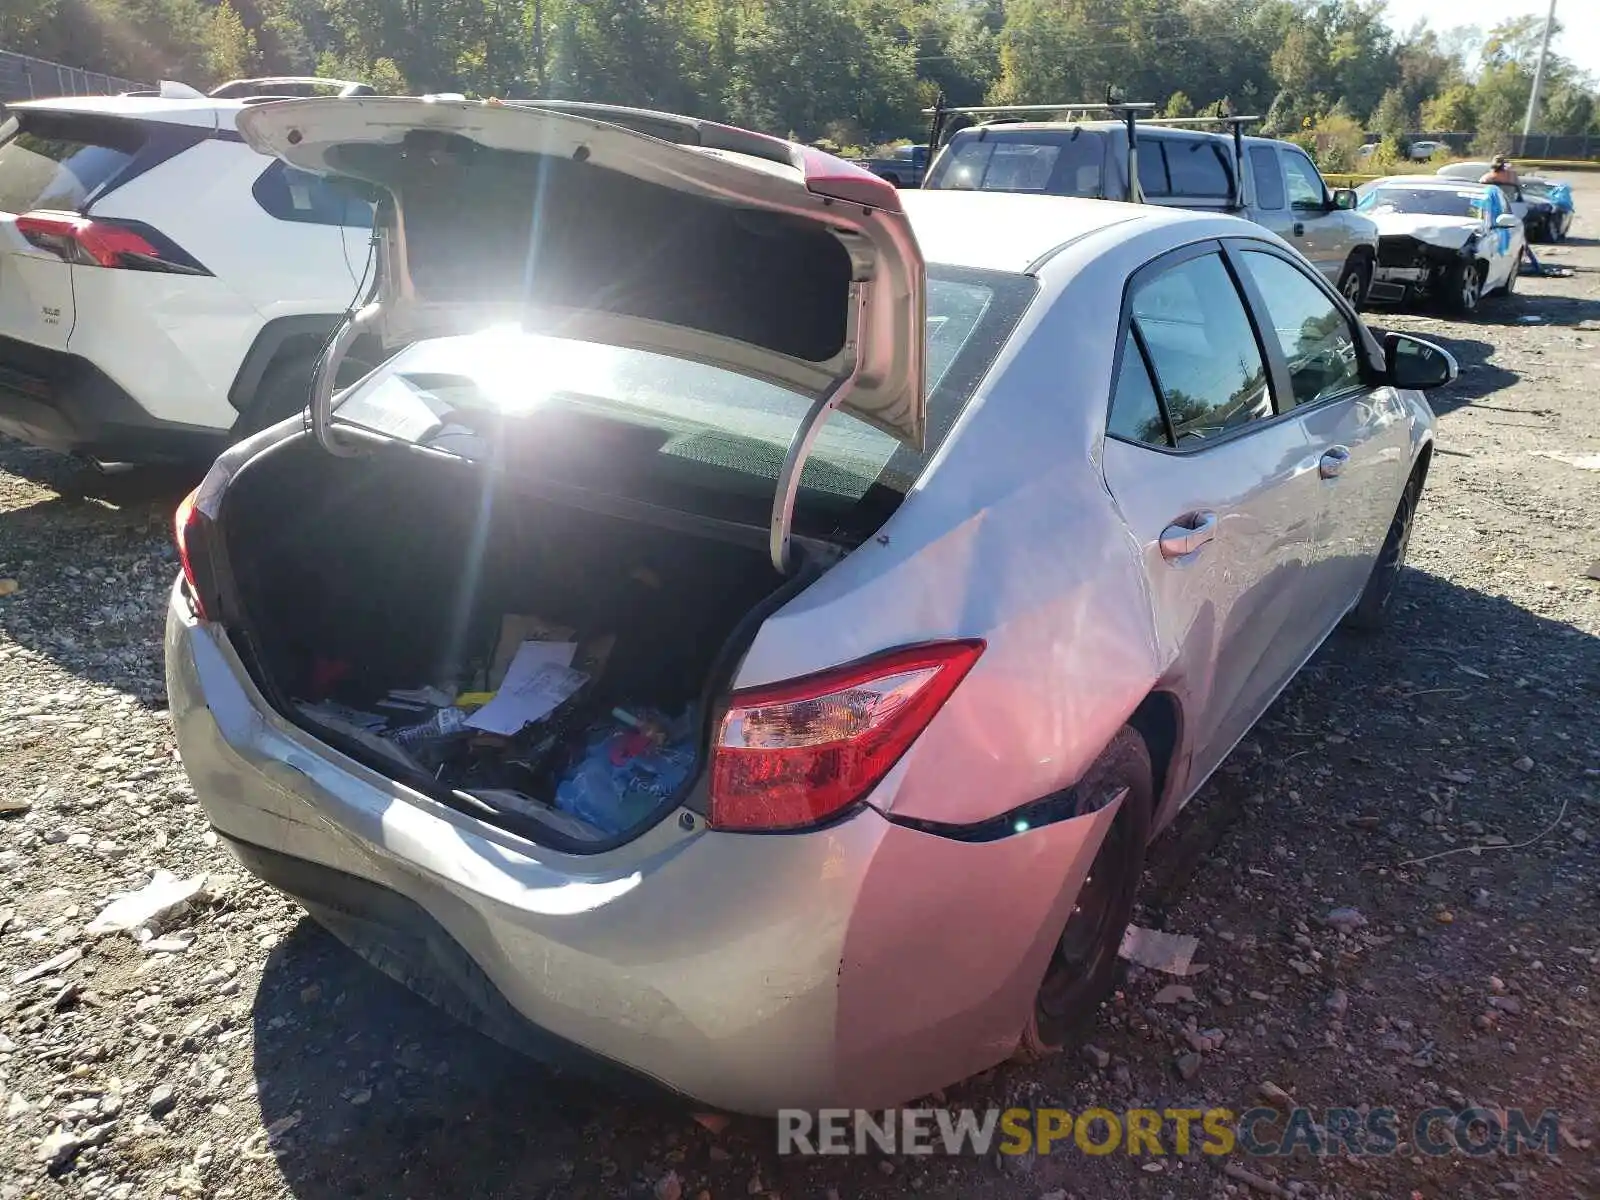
644,230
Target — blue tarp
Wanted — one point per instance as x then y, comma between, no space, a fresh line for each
1560,194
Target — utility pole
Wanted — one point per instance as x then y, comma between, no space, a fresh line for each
1538,74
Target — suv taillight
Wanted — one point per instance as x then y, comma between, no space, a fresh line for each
796,753
91,243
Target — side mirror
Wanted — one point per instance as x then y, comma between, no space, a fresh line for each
1506,221
1344,199
1415,364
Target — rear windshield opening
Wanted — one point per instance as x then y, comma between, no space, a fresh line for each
1061,163
58,160
682,434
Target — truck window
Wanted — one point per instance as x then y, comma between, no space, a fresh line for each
1198,170
1268,177
1064,163
1153,179
1306,189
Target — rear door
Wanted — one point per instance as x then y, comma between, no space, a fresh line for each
1219,490
1270,206
52,162
1358,435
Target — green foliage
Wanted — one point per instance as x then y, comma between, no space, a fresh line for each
854,71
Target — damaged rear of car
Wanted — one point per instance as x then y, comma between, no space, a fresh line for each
1441,241
460,661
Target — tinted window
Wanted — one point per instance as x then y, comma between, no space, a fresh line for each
1305,185
1153,168
1204,352
1268,177
57,162
294,195
1198,170
1064,164
1314,334
1135,411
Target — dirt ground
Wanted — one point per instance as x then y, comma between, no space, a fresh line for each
255,1058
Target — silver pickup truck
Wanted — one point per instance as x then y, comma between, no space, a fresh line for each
1279,186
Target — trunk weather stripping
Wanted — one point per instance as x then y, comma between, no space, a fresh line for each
351,328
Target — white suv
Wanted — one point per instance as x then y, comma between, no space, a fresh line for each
164,289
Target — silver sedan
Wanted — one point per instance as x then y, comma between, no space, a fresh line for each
890,568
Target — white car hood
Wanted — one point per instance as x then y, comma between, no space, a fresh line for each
1451,233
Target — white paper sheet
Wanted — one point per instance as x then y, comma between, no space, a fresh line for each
538,681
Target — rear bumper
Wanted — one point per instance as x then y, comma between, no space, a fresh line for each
861,965
60,401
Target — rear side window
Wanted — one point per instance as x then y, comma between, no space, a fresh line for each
1135,408
1268,177
1064,164
1208,366
1198,171
58,161
293,195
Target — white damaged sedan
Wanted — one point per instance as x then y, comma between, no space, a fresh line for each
1442,239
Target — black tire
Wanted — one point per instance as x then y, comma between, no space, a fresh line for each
285,389
1463,287
1371,612
1355,280
1083,965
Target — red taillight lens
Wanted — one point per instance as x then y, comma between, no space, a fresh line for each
186,526
796,753
96,243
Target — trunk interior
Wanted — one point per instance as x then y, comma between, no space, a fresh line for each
398,570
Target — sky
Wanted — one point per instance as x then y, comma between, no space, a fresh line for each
1578,41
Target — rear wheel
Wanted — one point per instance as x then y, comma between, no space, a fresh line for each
1083,965
285,389
1371,612
1355,281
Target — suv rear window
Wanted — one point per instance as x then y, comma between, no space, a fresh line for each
1064,163
293,195
57,161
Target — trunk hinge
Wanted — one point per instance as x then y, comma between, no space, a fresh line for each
794,460
328,371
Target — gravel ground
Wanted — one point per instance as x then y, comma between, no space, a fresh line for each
242,1053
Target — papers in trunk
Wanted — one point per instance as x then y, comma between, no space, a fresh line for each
539,680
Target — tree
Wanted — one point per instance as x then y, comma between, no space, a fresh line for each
1178,105
1390,118
1452,111
230,48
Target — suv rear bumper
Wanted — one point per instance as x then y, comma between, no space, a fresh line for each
63,402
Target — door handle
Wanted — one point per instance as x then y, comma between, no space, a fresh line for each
1333,461
1187,534
1299,229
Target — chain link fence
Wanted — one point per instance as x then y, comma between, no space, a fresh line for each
23,77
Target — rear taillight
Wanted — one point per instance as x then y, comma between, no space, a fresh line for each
796,753
90,243
188,525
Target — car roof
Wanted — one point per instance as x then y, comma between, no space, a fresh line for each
204,110
1016,231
